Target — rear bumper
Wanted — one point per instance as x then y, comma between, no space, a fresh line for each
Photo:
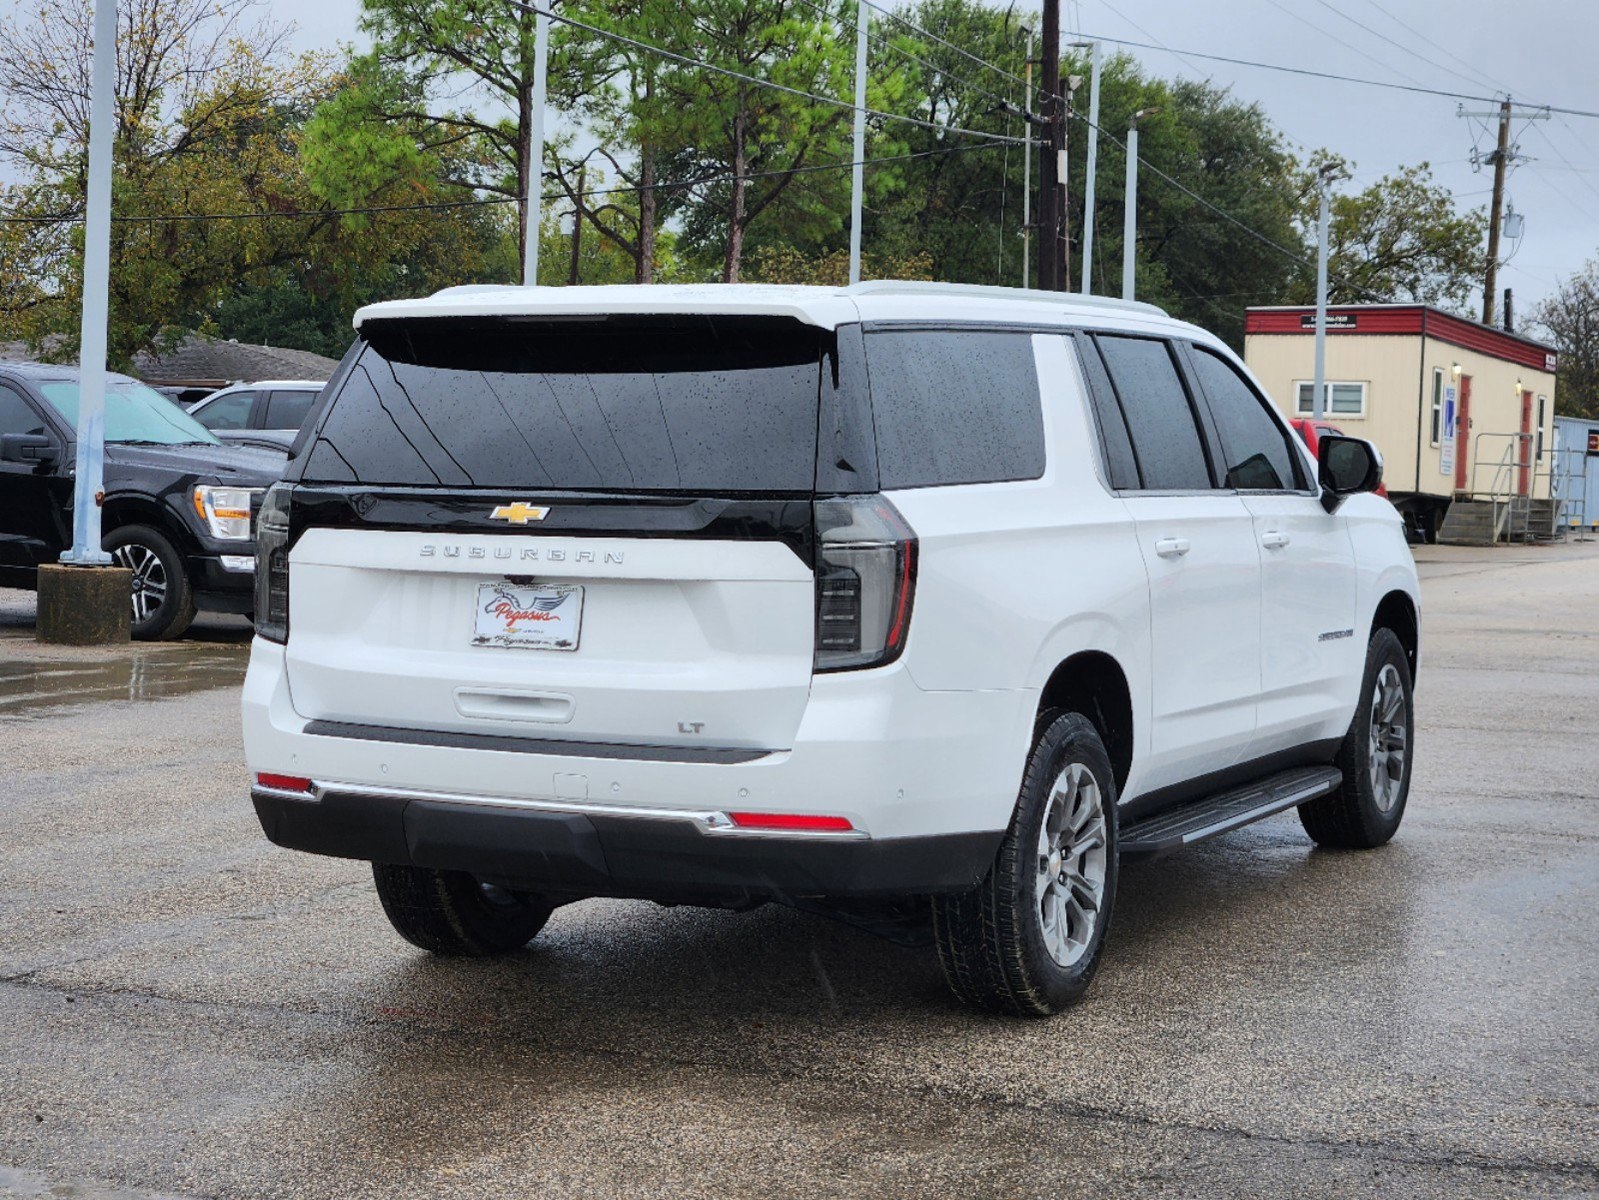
576,853
927,781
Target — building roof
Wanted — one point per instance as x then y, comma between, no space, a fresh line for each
211,360
1413,319
826,307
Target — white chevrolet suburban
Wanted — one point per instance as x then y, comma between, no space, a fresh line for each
884,600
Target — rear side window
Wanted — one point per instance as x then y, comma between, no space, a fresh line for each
1254,446
287,410
955,406
704,405
1159,415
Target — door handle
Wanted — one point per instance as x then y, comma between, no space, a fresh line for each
1275,540
1171,547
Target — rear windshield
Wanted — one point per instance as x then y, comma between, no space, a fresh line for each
701,405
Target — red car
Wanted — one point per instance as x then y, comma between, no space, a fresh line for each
1311,432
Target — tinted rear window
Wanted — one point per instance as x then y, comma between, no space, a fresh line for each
955,407
1159,417
287,410
704,405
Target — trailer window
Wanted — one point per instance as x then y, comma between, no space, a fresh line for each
1437,405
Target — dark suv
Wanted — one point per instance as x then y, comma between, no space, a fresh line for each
179,505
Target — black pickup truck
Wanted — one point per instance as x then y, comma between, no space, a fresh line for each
179,505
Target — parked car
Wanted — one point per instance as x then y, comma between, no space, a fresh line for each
179,506
1311,432
241,412
893,598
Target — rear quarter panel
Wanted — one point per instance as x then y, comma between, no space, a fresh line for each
1016,577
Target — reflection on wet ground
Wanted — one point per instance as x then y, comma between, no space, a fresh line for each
30,688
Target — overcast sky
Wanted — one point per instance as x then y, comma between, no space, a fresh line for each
1541,51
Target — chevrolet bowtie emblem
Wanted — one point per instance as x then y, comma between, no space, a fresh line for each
519,513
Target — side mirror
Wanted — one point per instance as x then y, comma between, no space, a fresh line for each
1348,467
28,448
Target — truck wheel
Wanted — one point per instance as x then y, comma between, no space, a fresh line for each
450,912
163,599
1375,757
1027,940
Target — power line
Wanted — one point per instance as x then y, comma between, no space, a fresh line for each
661,51
948,45
1223,213
1306,71
674,186
1411,29
1311,25
875,34
1383,37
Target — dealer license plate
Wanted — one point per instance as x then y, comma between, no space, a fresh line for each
538,616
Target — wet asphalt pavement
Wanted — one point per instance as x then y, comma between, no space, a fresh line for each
187,1011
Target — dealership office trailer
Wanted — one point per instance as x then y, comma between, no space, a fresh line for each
1462,412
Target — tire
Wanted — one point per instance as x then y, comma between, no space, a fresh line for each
998,950
451,913
158,571
1366,809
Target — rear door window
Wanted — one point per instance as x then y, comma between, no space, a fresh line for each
227,412
287,409
955,406
1160,418
1255,448
702,405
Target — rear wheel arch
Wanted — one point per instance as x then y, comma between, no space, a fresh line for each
1093,683
1397,612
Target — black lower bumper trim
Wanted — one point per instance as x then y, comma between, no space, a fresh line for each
647,858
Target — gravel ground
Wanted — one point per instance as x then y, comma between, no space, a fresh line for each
189,1011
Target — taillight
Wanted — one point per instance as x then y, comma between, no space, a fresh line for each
865,582
272,564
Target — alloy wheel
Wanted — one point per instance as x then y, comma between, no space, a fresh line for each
1390,730
149,578
1070,881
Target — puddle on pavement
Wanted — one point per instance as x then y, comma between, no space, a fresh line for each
29,688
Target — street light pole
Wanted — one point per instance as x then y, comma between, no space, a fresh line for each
858,169
89,484
1319,384
1093,164
535,165
1130,204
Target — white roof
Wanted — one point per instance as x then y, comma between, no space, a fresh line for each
827,307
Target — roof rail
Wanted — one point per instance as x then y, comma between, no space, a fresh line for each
908,287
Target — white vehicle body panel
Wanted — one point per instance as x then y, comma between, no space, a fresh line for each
694,643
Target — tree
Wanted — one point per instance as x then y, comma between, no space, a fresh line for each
1402,238
211,194
1570,319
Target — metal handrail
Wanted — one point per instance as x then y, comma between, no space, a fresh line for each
1572,503
1505,467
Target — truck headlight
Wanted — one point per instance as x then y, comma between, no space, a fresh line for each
225,511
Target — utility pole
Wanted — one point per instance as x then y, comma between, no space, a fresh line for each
1027,168
1052,261
1093,165
1502,156
577,224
